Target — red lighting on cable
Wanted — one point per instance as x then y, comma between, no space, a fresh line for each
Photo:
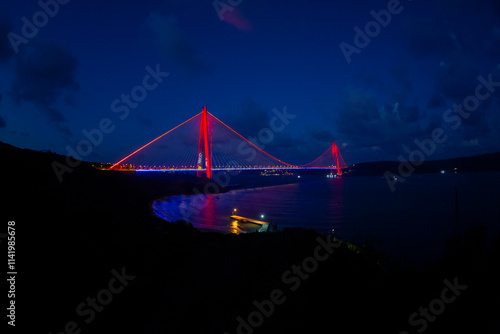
139,149
252,143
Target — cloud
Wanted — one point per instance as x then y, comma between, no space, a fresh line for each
253,121
320,135
400,74
358,109
408,113
429,36
145,120
5,49
43,75
456,76
173,43
478,130
64,130
437,100
284,140
493,42
54,115
364,124
249,118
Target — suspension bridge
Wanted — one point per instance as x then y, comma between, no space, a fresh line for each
218,147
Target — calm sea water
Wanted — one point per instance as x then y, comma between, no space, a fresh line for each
413,222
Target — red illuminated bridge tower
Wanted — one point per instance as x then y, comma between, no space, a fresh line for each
205,146
335,153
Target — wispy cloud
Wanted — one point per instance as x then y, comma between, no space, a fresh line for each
5,49
173,43
43,75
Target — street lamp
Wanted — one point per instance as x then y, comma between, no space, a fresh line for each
262,216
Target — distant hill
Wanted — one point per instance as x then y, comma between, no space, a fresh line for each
5,146
476,163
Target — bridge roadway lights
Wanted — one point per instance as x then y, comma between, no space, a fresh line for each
220,169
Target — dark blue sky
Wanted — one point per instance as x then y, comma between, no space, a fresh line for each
396,89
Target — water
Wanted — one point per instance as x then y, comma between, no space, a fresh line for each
413,222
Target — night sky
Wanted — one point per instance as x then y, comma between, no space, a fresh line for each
374,100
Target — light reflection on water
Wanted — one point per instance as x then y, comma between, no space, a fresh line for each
319,203
416,219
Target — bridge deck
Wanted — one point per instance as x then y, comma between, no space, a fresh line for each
228,169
